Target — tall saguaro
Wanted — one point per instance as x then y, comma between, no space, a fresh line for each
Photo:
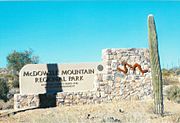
155,67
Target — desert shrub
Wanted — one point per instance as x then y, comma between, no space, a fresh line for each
170,72
9,76
173,93
170,81
177,72
3,89
15,84
11,92
13,80
165,72
165,81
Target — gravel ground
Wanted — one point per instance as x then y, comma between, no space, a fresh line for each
115,111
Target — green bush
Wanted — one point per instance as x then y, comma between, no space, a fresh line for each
177,72
3,89
173,93
15,84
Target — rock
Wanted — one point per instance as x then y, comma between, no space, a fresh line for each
135,97
111,120
121,110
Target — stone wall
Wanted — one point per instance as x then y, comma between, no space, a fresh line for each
112,85
25,101
115,84
133,84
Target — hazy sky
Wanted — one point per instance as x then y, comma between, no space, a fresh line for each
68,32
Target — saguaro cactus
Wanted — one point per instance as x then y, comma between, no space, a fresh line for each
155,67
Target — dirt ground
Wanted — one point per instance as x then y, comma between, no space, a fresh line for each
116,111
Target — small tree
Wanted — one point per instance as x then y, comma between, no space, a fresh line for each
3,89
16,60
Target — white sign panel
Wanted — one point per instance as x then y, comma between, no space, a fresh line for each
52,78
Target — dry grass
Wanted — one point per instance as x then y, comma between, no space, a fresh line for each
116,111
6,105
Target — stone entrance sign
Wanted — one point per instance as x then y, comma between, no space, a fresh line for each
52,78
122,74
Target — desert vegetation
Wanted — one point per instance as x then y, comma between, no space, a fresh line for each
9,77
171,81
171,76
173,94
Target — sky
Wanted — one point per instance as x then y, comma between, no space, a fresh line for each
72,32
